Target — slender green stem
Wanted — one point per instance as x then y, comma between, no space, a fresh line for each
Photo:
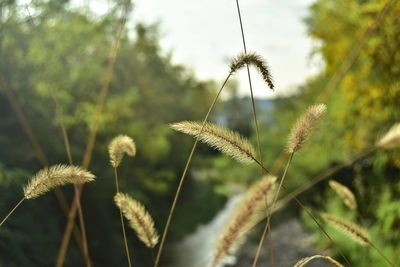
381,253
122,221
164,235
12,211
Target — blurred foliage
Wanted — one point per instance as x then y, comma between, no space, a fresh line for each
59,55
361,109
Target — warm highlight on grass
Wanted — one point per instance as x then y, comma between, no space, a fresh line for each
305,261
139,219
352,230
344,193
120,145
391,139
49,178
250,212
222,139
304,127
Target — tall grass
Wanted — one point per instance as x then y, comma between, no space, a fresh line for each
259,202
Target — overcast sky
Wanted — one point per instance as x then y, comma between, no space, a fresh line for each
204,35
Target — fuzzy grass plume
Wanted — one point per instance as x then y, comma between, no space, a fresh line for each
305,261
220,138
139,219
120,145
248,214
304,127
352,230
391,139
244,59
344,193
49,178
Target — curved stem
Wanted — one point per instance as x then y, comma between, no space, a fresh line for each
122,221
12,211
164,235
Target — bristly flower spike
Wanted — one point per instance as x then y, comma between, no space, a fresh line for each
257,61
304,127
120,145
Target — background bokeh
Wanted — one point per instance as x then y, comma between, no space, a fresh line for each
55,58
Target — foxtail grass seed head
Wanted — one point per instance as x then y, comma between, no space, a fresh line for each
304,127
305,261
391,139
139,219
352,230
49,178
244,59
222,139
250,211
344,193
120,145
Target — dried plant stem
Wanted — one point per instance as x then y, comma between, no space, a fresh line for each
312,217
268,224
255,121
12,211
322,176
83,229
100,105
78,201
122,220
37,149
164,235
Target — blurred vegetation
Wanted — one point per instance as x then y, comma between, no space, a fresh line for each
60,56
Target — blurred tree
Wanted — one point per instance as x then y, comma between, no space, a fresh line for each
61,57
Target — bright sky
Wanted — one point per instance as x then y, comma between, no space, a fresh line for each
204,35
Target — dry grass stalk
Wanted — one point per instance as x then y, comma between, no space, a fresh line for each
139,219
352,230
120,145
391,139
244,59
49,178
222,139
305,261
248,214
304,126
344,193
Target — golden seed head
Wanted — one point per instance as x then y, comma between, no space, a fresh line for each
49,178
120,145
